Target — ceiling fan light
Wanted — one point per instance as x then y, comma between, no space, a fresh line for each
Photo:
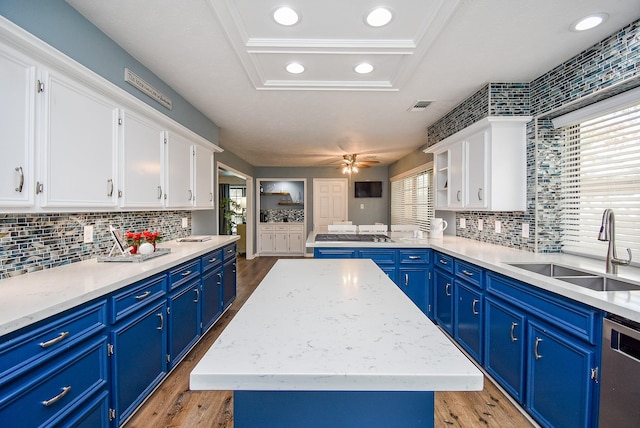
295,68
354,168
379,17
589,22
286,16
364,68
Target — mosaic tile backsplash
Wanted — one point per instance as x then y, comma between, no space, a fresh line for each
31,242
602,71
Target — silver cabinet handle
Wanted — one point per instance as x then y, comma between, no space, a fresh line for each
535,348
513,328
159,192
480,194
143,295
219,278
65,391
110,187
190,195
406,279
39,188
473,307
443,262
446,289
210,196
197,295
212,260
161,321
21,183
53,341
187,273
466,272
414,257
459,195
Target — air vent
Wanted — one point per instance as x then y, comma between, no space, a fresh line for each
420,106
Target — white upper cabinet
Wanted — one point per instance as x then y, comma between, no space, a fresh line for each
483,167
79,145
179,158
141,162
17,128
203,177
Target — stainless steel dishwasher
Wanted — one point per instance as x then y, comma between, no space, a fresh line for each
620,377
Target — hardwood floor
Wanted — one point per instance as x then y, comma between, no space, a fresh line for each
174,405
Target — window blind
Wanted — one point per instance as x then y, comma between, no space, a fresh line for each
601,169
412,198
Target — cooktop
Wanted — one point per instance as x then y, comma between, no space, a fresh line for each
351,237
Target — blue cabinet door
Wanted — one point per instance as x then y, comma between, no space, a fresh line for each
469,313
559,385
183,320
139,360
415,282
504,346
228,283
443,296
211,297
335,253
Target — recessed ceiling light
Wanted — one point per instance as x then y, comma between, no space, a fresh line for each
379,17
286,16
589,22
295,68
364,68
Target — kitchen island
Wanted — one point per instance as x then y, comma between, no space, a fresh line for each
332,343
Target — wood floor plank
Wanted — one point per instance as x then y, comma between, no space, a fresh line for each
174,405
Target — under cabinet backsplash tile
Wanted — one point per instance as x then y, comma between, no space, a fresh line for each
31,242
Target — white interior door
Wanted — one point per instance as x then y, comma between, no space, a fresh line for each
330,201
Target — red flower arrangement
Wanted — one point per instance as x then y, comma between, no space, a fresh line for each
152,237
135,239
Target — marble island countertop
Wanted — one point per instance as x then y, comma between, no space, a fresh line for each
29,298
499,259
325,325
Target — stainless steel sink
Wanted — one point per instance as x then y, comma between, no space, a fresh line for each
578,277
599,283
551,269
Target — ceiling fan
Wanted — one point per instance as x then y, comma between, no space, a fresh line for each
350,164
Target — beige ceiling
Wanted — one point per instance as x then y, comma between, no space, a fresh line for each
227,58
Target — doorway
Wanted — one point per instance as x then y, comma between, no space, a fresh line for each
235,203
330,202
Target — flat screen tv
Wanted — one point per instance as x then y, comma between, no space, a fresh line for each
368,189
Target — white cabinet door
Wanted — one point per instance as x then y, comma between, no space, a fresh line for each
141,162
281,241
17,128
296,244
79,142
456,175
203,177
179,158
476,180
266,239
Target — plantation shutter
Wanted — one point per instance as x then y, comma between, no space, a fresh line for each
601,169
412,198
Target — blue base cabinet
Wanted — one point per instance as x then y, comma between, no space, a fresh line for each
409,268
443,291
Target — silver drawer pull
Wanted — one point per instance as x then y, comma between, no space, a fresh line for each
513,327
443,262
21,183
535,348
414,257
229,251
54,341
143,295
50,401
212,260
187,273
466,272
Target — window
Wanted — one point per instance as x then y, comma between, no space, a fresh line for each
601,169
412,197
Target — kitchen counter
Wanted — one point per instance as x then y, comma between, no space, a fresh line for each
32,297
332,325
498,258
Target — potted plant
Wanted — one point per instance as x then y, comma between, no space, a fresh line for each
228,209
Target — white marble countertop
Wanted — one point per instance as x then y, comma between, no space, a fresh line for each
32,297
332,325
498,258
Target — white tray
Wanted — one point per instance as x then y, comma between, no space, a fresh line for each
135,258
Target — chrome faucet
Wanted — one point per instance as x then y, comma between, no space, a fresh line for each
608,233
